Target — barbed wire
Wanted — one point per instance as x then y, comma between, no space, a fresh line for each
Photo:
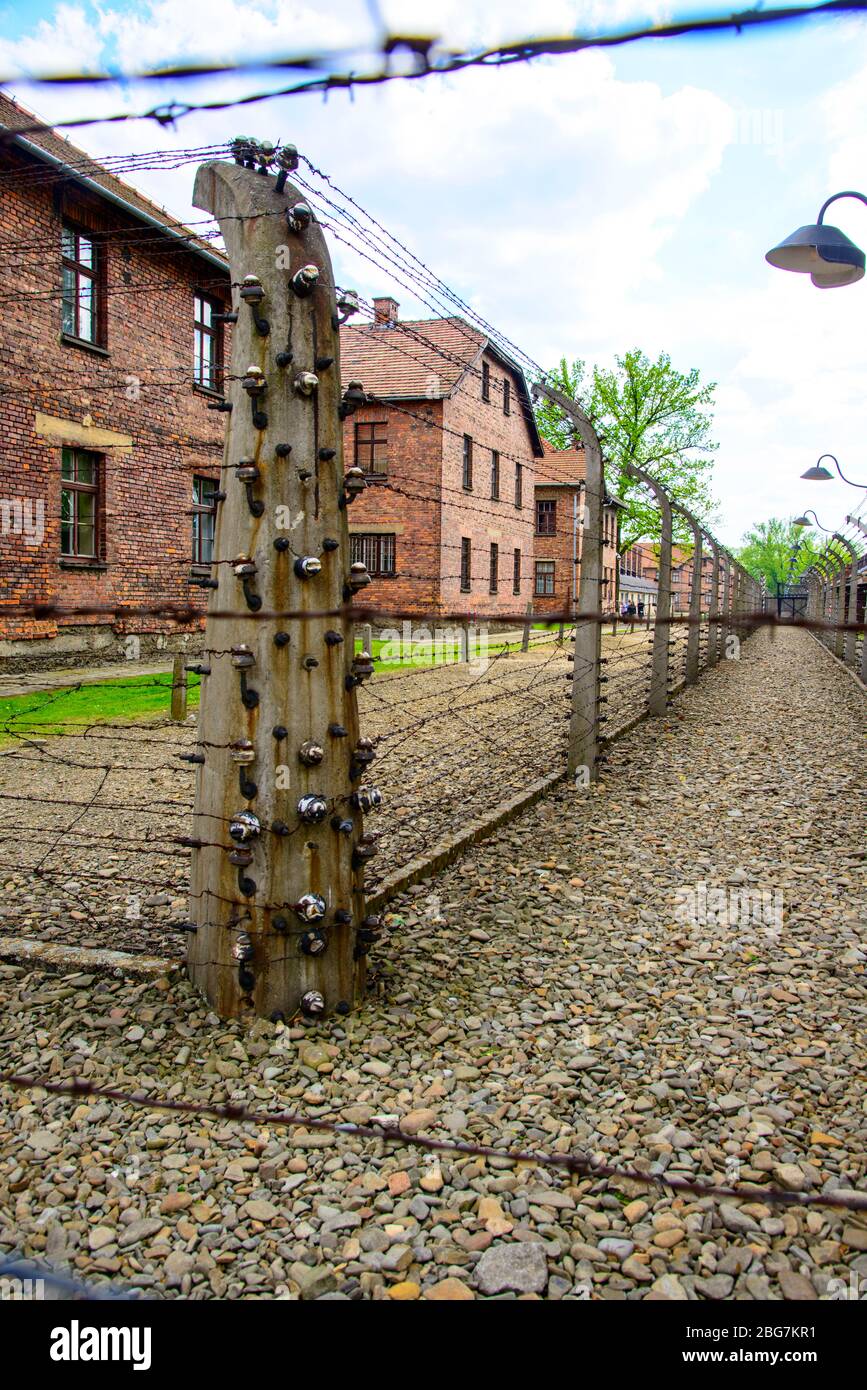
428,58
586,1165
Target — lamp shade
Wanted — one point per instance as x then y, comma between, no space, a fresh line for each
824,253
817,474
801,521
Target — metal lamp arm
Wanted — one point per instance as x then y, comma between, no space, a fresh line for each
848,193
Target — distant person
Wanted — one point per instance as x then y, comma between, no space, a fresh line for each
624,609
631,610
640,609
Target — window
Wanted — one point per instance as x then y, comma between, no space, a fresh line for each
79,504
207,344
518,485
486,382
204,517
466,564
376,552
81,306
545,577
516,572
495,568
468,463
371,447
507,396
546,518
495,476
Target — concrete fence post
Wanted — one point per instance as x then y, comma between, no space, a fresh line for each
525,638
660,661
179,688
276,898
587,645
713,631
693,636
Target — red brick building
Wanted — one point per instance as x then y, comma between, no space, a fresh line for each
449,446
681,577
559,527
111,356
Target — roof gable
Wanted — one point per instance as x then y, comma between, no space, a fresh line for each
56,150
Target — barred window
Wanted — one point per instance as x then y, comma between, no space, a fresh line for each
546,518
495,476
495,568
377,553
486,382
516,571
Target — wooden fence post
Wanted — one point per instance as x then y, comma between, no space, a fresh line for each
276,887
179,689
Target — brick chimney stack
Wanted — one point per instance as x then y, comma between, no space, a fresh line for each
385,312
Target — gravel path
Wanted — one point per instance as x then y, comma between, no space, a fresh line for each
547,991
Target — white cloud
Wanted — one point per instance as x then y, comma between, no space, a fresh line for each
580,212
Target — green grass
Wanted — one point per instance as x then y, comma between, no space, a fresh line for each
104,702
129,697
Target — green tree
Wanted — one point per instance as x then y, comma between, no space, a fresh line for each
765,550
649,414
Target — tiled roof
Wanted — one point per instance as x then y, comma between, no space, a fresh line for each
561,465
14,117
423,359
416,359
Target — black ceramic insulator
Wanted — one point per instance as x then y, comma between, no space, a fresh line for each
337,731
281,639
281,543
323,363
333,639
279,827
283,451
327,454
330,543
279,732
280,924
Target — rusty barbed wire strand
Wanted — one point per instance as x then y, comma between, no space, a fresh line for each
429,59
583,1164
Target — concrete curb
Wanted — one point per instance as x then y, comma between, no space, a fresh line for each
20,950
853,675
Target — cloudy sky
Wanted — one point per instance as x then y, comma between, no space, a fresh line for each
584,204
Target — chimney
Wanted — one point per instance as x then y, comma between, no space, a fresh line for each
385,312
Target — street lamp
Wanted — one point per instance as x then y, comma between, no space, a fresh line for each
818,474
805,521
824,253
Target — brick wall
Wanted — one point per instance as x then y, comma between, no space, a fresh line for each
561,549
405,503
474,514
139,390
424,504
